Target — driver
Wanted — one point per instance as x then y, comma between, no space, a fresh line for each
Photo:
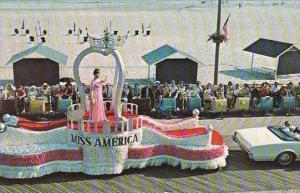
290,130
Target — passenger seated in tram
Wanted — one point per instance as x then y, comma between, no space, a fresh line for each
10,92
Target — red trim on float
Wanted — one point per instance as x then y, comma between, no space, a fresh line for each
178,152
133,153
41,158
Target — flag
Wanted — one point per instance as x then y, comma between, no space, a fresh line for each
225,30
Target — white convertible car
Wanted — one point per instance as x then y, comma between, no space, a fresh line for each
268,144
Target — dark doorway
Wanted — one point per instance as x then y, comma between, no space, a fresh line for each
289,63
36,71
177,69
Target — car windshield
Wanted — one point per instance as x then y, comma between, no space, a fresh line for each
276,130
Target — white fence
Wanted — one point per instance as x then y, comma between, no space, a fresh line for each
77,121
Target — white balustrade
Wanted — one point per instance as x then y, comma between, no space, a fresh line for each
75,117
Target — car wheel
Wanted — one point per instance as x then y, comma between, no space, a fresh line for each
285,158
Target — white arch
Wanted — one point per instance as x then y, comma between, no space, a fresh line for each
119,79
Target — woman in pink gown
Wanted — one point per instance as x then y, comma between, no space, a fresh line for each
97,112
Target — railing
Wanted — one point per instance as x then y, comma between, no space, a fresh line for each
126,107
106,127
76,120
107,42
130,107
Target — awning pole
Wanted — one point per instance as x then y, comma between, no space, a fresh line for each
252,61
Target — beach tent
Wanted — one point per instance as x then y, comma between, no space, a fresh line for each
286,56
37,69
167,63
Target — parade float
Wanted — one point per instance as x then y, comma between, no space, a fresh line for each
125,140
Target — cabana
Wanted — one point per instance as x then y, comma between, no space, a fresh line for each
167,63
44,67
286,57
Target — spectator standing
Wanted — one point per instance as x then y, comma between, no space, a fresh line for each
199,89
290,90
173,89
20,98
275,93
182,98
166,92
156,89
2,93
107,91
220,94
255,95
146,92
283,93
229,95
127,93
136,91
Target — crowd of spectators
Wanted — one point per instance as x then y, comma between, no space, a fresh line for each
156,92
24,95
208,93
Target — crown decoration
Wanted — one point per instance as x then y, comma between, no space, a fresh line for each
108,42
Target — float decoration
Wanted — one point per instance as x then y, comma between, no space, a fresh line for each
125,140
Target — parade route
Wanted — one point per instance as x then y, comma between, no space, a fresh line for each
240,175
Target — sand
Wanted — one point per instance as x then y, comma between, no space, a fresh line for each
185,29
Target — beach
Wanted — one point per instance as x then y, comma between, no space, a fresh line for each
184,29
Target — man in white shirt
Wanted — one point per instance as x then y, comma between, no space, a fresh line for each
275,93
275,88
173,89
290,130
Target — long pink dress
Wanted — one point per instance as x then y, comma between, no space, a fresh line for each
97,110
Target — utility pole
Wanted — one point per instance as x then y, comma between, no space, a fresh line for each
217,45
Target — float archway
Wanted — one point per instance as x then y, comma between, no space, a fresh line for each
119,78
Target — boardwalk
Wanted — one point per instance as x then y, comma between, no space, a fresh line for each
240,175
